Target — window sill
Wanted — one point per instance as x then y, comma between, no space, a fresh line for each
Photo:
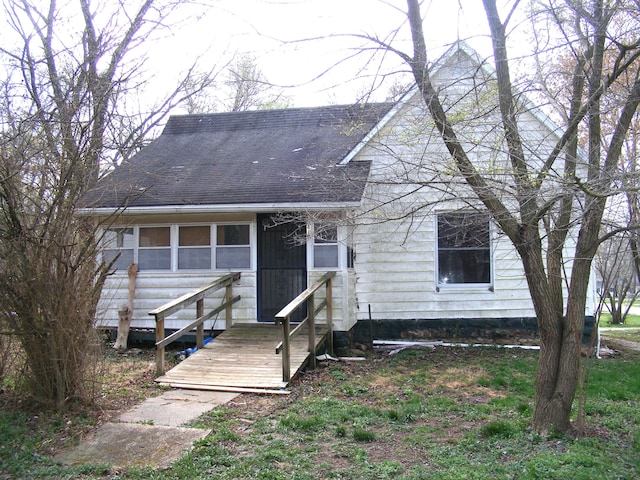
457,288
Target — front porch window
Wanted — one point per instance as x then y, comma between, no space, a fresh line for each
325,246
179,247
233,247
119,246
194,248
154,248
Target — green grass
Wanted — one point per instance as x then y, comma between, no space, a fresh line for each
631,320
421,414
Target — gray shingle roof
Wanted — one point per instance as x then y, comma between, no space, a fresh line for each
267,156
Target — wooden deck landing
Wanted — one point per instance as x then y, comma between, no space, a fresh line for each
242,358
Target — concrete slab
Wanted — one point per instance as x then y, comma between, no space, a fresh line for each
150,433
123,445
175,407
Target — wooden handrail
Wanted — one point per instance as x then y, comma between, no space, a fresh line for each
283,317
197,297
317,310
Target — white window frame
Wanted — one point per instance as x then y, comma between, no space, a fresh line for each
136,254
174,246
339,244
214,241
115,249
466,285
189,247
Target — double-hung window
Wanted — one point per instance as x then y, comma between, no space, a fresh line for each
233,248
119,247
325,246
464,248
154,248
194,247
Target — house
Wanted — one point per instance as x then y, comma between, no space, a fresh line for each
283,196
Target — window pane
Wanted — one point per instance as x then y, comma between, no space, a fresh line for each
194,236
233,235
118,238
118,241
233,257
464,266
463,230
155,236
124,260
325,234
194,258
325,256
154,259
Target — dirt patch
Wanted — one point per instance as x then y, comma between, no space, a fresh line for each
620,344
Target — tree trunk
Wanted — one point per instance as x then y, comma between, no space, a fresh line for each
558,367
560,343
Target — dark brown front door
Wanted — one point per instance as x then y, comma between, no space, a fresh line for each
282,268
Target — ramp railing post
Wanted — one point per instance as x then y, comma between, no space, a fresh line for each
159,350
311,315
286,355
329,307
200,327
228,295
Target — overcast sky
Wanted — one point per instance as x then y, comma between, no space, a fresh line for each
278,33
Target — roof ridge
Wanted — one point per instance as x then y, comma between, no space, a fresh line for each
276,118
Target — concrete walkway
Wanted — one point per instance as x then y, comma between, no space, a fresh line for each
151,434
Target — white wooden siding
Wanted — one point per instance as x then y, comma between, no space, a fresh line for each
410,182
154,289
396,277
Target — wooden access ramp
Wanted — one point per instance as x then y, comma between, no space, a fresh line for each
243,359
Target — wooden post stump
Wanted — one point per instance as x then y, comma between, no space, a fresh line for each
124,323
125,312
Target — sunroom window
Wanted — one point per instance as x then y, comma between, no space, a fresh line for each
325,246
464,248
179,247
154,248
194,247
118,243
233,246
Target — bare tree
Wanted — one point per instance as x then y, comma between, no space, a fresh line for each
243,87
249,89
71,69
555,79
543,203
615,269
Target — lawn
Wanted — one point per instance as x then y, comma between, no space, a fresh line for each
442,413
630,330
631,320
